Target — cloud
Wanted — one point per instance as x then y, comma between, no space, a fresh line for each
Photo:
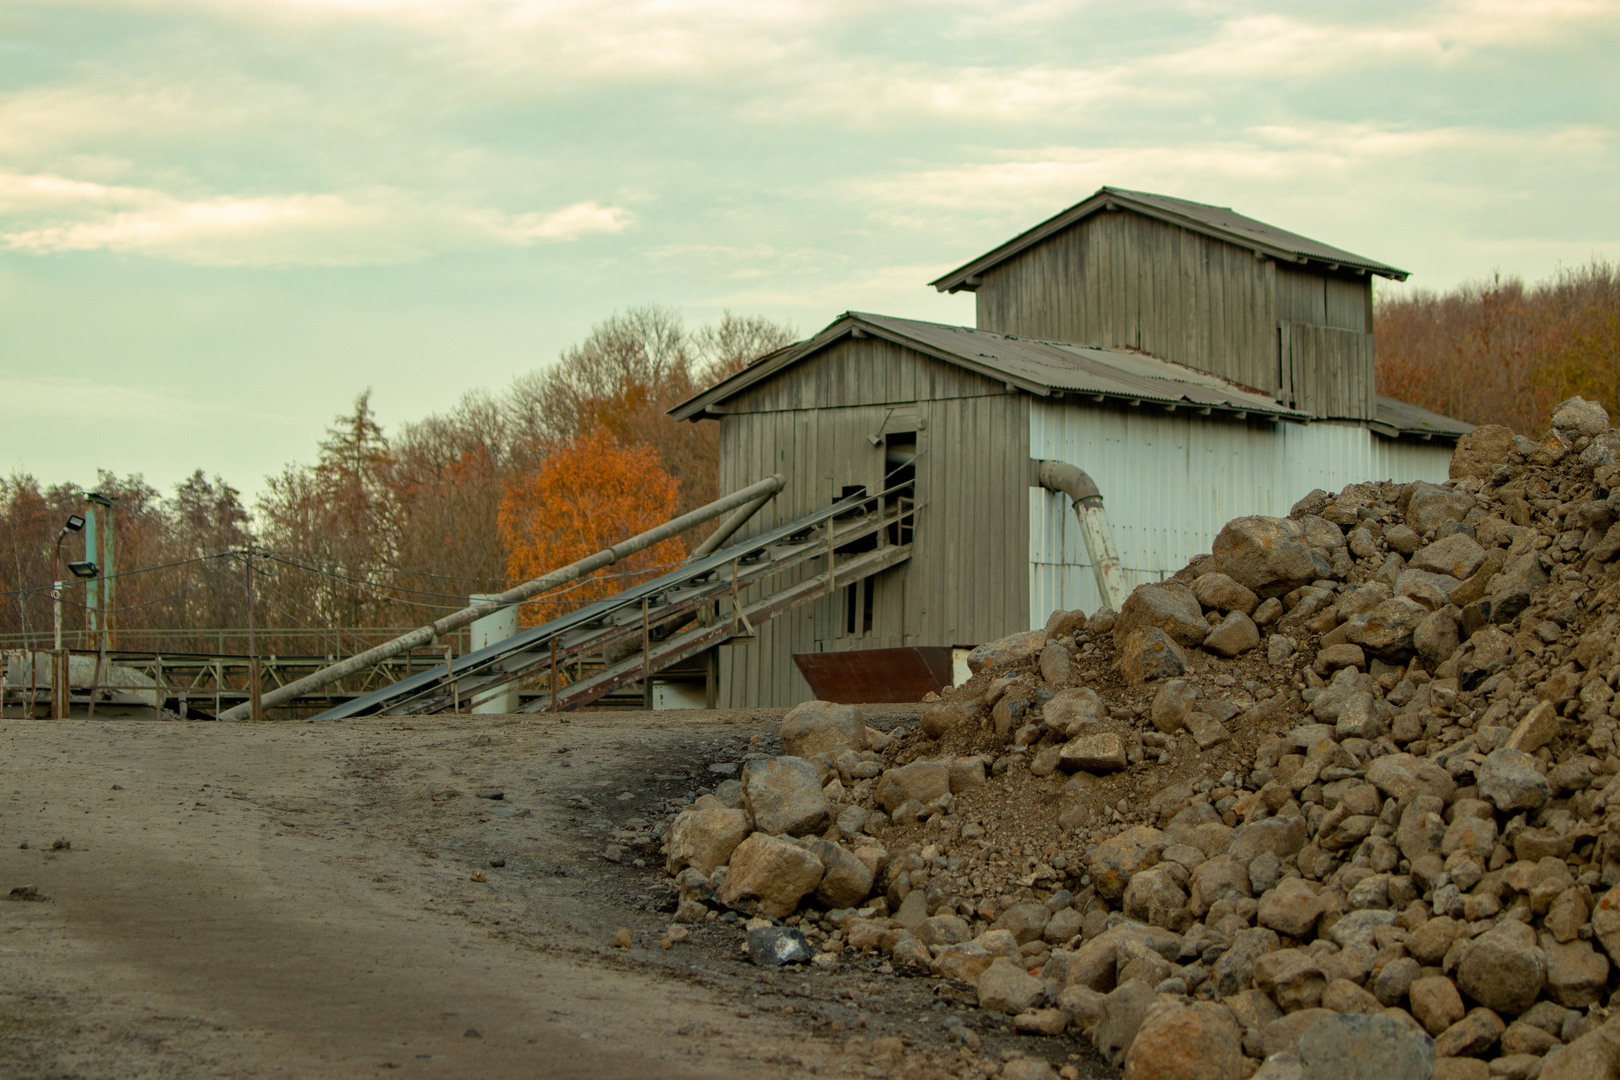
43,214
74,399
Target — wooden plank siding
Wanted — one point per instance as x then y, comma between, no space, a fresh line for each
967,579
1126,280
1130,281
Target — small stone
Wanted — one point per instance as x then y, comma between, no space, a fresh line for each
1344,996
1116,859
704,836
942,718
1147,654
1041,1022
1215,590
773,946
1479,452
1394,979
1055,665
1502,969
818,727
1267,555
1435,1003
1536,730
1006,987
1430,506
1576,973
1510,780
1006,652
1334,657
1103,752
921,781
1291,908
1171,705
1206,730
1457,555
1233,636
1471,1035
1290,977
622,939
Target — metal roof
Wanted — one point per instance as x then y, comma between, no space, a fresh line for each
1044,368
1221,222
1395,418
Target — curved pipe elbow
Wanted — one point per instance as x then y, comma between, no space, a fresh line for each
1071,480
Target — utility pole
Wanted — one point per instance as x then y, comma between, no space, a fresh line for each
99,548
255,705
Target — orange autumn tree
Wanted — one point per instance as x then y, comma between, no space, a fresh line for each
590,493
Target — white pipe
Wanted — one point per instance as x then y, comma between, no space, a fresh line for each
1062,477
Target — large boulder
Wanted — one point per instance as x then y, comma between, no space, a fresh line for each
704,836
1267,555
1577,416
821,727
1172,608
1351,1046
771,874
1480,451
784,795
1199,1041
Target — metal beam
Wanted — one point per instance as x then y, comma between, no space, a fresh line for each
426,635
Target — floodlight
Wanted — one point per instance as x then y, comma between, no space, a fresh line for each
74,523
84,569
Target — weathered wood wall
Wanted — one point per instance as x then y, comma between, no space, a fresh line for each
967,580
1123,279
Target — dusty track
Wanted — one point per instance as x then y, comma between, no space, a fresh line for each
297,900
254,901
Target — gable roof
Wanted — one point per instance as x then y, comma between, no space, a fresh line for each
1220,222
1043,368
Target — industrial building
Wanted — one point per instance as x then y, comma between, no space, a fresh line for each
1197,364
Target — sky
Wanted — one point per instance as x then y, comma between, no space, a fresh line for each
220,220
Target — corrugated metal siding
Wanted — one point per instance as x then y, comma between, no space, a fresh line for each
1171,480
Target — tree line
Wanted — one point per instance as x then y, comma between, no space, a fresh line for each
1501,351
394,530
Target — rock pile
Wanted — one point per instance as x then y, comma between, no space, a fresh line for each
1340,798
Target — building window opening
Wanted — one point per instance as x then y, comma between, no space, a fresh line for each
900,475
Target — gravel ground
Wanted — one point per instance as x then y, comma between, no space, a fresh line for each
338,900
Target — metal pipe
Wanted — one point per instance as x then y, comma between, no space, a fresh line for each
426,635
736,521
1072,481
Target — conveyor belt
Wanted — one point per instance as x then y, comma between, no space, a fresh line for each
706,590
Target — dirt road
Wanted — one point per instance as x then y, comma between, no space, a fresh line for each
305,900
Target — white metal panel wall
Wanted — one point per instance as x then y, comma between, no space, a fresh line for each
1171,480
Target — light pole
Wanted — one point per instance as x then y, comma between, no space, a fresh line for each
59,665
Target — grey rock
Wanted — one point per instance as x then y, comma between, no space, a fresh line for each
1513,590
1431,506
1510,780
1503,969
1171,705
1007,652
1005,987
773,946
1351,1046
1576,416
1387,629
